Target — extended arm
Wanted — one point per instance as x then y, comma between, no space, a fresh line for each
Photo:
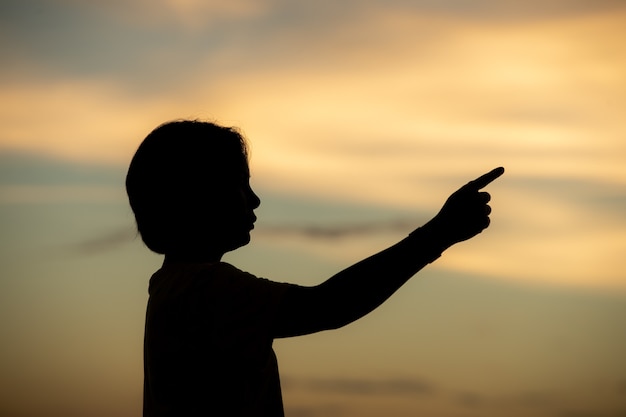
359,289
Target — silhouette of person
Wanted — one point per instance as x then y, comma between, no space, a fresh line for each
209,326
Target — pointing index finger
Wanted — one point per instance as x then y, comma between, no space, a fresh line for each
486,179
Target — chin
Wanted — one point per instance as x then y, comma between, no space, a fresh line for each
242,241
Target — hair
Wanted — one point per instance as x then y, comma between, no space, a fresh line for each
178,171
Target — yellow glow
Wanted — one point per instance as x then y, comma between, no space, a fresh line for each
401,126
393,108
191,15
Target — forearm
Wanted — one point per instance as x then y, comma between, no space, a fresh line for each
360,288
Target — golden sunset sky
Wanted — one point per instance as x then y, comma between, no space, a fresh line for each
362,114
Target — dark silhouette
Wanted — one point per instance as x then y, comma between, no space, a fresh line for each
209,326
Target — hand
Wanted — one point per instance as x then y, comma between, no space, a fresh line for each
466,212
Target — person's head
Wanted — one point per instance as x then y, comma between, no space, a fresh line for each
188,186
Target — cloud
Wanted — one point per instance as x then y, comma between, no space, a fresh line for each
116,238
470,399
37,178
315,411
589,413
147,44
38,169
79,120
346,390
197,12
409,387
536,399
603,197
191,14
322,88
104,243
337,231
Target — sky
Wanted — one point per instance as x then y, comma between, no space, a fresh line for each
362,117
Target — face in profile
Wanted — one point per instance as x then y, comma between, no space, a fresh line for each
236,218
220,215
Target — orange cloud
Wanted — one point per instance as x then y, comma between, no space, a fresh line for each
393,109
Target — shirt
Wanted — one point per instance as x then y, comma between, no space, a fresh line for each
208,343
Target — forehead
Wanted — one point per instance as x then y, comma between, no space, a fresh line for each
226,167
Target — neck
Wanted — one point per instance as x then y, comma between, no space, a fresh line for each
192,257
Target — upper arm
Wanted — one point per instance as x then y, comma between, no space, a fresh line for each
305,310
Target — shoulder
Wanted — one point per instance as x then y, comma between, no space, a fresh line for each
213,277
227,275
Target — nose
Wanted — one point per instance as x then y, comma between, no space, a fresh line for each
253,199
